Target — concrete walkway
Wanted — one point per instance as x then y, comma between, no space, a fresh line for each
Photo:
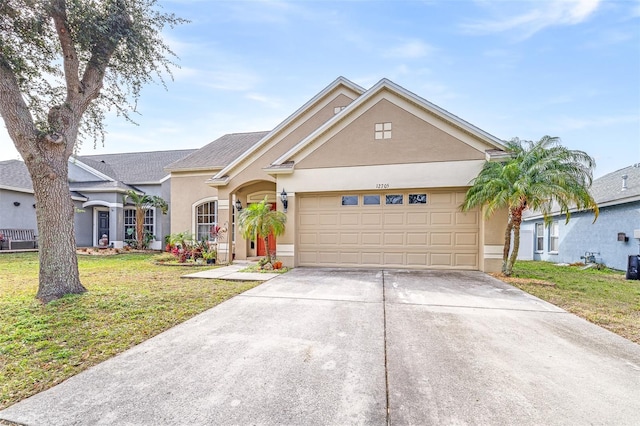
232,273
344,347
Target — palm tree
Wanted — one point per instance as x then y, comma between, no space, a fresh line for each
258,220
540,176
143,203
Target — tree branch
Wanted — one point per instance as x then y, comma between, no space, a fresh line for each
15,112
70,56
103,49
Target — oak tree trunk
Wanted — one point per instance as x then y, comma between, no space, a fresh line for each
56,235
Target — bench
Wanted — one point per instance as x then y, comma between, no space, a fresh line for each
15,239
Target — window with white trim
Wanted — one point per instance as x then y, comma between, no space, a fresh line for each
554,234
539,237
130,223
382,131
206,219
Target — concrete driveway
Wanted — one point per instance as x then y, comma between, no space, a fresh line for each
339,347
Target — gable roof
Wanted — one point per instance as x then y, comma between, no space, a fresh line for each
223,175
390,86
135,167
608,189
219,153
15,176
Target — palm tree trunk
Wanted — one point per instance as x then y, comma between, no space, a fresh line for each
266,247
140,227
507,244
517,220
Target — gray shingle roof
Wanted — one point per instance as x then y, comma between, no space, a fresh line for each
135,167
99,186
608,188
14,174
219,153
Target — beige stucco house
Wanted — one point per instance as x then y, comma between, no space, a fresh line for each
373,178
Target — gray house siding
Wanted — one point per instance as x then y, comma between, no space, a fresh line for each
83,222
581,235
22,216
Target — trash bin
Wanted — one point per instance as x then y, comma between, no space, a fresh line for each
632,267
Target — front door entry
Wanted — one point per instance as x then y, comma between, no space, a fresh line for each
103,224
261,251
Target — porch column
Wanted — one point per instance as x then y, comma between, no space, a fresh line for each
286,242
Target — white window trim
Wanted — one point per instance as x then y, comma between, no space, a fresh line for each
552,236
538,235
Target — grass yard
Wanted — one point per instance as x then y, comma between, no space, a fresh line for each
130,299
603,297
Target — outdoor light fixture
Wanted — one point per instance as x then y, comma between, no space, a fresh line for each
285,201
238,205
622,237
16,203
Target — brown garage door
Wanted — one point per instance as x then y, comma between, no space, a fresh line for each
411,228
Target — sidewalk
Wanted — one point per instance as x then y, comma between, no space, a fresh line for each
232,273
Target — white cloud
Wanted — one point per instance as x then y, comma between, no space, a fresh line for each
265,100
540,16
571,123
409,49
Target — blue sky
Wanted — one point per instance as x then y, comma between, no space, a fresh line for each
512,68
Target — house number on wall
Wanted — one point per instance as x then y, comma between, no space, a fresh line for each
382,185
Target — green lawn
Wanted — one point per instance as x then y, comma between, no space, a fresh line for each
603,297
130,299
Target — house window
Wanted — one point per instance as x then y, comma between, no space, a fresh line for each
130,223
349,200
394,199
417,198
383,130
371,200
553,237
539,237
206,218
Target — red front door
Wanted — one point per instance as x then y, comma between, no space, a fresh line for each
271,240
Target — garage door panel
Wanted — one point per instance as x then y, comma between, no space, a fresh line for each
371,238
328,238
417,238
466,260
328,219
371,218
349,238
470,218
440,199
431,235
330,201
417,218
396,218
466,239
441,239
416,259
394,238
308,238
441,218
308,219
331,258
369,258
394,259
441,259
350,219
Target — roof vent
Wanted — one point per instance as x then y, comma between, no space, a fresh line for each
637,165
624,182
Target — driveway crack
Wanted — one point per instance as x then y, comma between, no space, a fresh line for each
386,370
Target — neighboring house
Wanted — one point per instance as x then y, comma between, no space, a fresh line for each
372,178
610,238
97,184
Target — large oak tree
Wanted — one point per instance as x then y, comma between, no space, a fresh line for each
63,65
